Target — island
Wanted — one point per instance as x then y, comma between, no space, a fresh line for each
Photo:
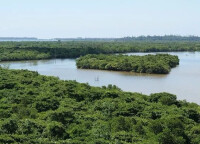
152,64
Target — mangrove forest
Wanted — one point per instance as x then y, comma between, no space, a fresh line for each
13,51
159,63
43,109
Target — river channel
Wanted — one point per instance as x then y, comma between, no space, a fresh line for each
183,81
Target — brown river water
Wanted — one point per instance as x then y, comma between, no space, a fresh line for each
183,81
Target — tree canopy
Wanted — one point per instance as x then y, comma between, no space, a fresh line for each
159,63
40,109
12,51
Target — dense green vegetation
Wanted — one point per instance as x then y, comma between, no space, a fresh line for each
45,50
159,63
166,38
39,109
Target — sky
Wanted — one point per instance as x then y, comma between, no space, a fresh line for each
98,18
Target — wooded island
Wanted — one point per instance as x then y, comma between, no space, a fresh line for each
158,64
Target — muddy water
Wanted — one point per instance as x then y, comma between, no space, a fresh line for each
184,80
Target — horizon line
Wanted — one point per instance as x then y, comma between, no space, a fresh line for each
38,38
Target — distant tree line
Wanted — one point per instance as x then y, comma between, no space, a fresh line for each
159,64
166,38
11,51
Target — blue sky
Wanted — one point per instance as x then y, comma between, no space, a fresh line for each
98,18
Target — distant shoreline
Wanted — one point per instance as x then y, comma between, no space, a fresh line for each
166,38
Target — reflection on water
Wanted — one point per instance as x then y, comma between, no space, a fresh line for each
183,80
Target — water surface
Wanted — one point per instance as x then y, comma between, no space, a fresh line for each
184,80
